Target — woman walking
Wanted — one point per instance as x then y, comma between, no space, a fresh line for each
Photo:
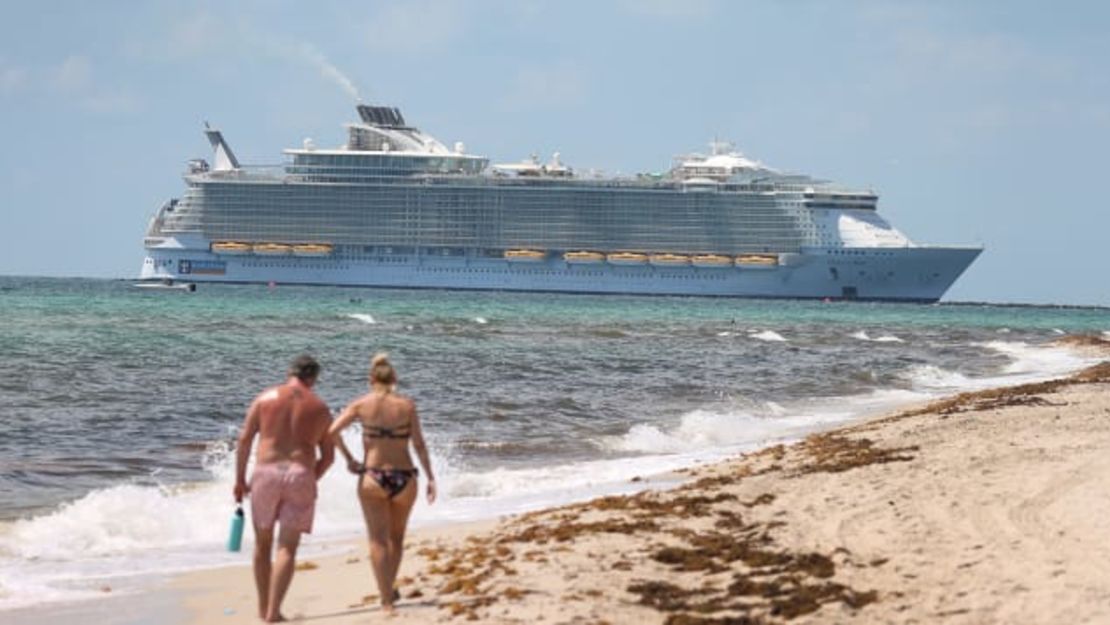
387,485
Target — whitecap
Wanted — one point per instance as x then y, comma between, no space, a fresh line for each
932,377
708,429
481,320
767,335
363,317
886,338
1035,361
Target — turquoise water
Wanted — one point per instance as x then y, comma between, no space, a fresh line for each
102,382
120,405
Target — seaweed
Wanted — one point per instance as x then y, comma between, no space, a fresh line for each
836,453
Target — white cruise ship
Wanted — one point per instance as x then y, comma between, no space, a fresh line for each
394,207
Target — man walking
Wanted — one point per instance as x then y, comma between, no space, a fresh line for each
291,423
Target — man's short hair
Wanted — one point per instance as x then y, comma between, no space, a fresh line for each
304,367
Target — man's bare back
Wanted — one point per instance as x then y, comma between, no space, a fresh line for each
292,421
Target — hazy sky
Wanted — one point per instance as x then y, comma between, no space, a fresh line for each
977,122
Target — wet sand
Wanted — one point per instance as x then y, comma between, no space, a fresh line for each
989,507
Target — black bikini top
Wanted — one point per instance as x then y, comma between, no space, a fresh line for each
377,431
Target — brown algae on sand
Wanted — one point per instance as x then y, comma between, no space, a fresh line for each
1020,395
710,563
698,554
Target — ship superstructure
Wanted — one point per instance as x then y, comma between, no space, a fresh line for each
394,207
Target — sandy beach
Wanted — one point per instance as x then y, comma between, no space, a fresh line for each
988,507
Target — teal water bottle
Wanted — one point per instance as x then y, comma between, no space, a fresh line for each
235,539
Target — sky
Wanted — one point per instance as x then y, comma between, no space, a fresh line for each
976,122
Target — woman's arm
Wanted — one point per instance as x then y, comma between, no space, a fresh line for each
422,453
335,431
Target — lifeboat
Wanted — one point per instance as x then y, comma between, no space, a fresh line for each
711,260
312,249
583,257
627,258
524,256
757,260
669,260
272,249
231,247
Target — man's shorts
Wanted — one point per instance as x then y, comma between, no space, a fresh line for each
283,492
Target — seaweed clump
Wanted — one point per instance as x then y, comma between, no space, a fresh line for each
1020,395
836,453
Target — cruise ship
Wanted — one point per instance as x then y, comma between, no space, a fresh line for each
396,208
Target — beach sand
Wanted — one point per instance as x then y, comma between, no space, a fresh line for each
989,507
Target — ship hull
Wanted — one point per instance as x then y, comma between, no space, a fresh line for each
915,274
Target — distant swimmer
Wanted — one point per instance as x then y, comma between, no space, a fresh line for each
291,423
387,485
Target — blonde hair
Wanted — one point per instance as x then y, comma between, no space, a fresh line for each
382,371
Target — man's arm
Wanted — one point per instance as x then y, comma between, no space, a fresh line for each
243,451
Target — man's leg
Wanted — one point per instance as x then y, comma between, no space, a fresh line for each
288,540
263,544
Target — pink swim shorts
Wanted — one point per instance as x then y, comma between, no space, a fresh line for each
283,492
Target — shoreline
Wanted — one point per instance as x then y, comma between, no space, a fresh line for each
801,531
980,507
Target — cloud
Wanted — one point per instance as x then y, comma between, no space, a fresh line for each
559,86
196,35
970,78
74,74
116,102
670,8
12,77
422,26
921,46
74,79
228,47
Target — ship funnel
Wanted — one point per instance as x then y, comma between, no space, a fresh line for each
381,115
225,158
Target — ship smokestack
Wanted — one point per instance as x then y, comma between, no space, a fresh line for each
381,116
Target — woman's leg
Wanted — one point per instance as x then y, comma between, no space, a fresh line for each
376,510
400,508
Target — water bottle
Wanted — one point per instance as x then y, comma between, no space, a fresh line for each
235,539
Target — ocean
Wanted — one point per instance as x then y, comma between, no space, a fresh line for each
120,405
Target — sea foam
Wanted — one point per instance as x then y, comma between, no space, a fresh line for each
767,335
1035,362
931,377
886,338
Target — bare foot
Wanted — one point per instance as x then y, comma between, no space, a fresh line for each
388,609
279,618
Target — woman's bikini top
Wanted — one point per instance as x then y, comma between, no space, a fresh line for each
377,431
